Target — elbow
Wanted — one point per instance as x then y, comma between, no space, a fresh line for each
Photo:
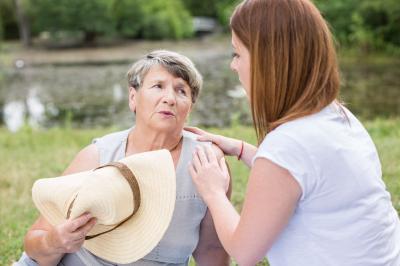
26,243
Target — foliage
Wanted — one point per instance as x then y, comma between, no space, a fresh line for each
338,13
8,18
381,23
89,16
128,17
167,22
204,8
221,9
367,24
224,11
153,19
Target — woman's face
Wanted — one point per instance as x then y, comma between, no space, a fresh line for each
241,62
163,102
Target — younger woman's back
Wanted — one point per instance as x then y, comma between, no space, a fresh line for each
345,215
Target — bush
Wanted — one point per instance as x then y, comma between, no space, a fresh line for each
89,16
8,20
203,8
128,17
218,9
367,24
224,11
153,19
167,19
382,20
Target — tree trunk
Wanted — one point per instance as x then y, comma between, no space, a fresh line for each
23,24
90,37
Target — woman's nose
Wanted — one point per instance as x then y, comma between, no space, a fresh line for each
169,96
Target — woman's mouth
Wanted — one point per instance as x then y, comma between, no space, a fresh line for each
166,113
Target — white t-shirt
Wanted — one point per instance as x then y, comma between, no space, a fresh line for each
345,215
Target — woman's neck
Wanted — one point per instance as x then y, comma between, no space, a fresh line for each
143,139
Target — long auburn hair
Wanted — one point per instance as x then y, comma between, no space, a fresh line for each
294,70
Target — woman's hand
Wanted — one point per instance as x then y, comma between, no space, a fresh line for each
229,146
69,236
210,176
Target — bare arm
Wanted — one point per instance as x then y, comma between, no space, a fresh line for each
46,243
249,151
209,250
229,146
271,198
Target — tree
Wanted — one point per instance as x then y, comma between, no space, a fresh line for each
339,14
152,19
206,8
1,30
9,21
382,20
128,17
219,9
365,24
23,23
92,17
166,19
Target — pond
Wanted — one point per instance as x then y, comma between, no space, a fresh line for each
86,95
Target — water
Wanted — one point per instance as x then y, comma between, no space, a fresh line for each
96,95
372,90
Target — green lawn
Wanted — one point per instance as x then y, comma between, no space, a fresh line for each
29,155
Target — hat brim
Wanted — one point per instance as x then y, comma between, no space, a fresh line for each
136,237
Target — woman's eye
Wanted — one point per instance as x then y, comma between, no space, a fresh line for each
182,91
157,86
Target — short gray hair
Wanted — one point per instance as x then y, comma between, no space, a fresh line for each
176,64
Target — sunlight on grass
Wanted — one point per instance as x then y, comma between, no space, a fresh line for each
29,155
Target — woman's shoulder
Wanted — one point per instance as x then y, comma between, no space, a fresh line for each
192,137
189,135
114,137
328,121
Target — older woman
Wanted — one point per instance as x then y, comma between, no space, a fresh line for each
163,86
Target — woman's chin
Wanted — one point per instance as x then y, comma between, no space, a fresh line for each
167,125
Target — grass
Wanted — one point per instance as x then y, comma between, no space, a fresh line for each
31,154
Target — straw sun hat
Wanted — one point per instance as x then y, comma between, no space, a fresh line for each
141,184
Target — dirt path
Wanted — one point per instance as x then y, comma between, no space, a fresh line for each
128,51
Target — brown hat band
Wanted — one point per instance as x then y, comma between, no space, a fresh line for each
130,177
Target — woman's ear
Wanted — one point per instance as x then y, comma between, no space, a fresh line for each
132,99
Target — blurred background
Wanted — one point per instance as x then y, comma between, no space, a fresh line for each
65,61
63,82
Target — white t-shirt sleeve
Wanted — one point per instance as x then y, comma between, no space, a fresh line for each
291,155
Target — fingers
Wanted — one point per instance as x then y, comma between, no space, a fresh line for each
81,232
203,135
78,222
195,130
196,161
192,171
88,226
212,158
69,236
201,155
222,165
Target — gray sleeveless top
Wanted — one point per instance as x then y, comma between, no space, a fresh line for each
182,235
